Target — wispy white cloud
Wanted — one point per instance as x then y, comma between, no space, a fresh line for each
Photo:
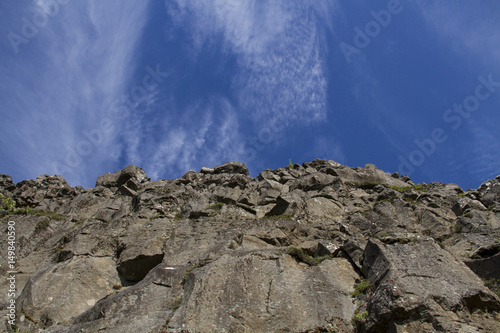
482,151
281,58
466,28
472,30
327,149
64,81
206,134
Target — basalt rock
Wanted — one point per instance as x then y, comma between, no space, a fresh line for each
415,281
317,247
126,181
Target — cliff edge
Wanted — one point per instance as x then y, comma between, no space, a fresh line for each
317,247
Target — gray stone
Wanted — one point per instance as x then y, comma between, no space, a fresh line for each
65,290
207,170
419,281
232,167
121,177
220,294
218,250
6,183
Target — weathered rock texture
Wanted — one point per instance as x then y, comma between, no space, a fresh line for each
319,247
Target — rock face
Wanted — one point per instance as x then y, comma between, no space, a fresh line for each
433,290
319,247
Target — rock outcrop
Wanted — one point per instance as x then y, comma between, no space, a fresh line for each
317,247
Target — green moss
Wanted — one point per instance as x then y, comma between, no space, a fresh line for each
215,208
389,199
188,271
24,211
51,215
42,225
458,228
422,187
299,254
366,184
39,212
279,217
360,317
7,203
361,287
79,223
179,216
176,304
400,189
28,317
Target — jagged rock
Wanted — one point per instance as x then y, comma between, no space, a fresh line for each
419,281
464,205
146,306
368,174
207,170
219,250
489,192
315,249
485,262
274,237
131,177
323,207
232,167
36,193
140,249
315,181
269,175
289,203
57,294
6,183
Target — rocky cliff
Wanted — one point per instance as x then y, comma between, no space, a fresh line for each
317,247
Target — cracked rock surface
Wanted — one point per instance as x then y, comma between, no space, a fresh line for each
317,247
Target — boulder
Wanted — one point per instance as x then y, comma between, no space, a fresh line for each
315,181
485,262
320,207
288,203
233,168
66,290
6,183
489,192
32,193
127,181
418,281
144,307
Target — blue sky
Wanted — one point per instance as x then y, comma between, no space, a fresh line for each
89,87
